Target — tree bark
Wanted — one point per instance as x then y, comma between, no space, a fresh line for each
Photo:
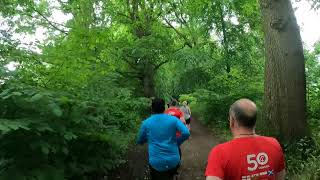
148,81
285,80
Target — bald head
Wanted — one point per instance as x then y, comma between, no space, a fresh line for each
244,111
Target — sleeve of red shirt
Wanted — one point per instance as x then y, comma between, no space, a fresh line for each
281,159
215,164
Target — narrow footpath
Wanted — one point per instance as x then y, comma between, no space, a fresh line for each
194,157
195,152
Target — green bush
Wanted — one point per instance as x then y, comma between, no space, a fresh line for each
302,159
213,103
310,170
53,135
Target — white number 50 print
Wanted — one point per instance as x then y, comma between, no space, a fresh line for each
254,161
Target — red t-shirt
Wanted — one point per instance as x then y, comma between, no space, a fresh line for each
174,111
246,158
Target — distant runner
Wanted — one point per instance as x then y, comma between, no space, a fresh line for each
186,113
173,110
248,156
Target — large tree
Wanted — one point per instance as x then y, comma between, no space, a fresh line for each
141,43
285,80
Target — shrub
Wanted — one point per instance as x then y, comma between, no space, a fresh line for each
213,103
54,135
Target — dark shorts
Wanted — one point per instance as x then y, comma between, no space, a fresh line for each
165,175
188,121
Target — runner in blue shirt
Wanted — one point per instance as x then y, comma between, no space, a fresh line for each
159,131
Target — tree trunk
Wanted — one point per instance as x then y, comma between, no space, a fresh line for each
226,53
148,80
285,81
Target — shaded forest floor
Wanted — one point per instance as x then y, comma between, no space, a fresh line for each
194,157
195,152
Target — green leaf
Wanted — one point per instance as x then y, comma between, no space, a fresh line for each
5,92
65,150
56,110
36,97
17,93
4,128
64,99
44,127
12,94
7,97
12,125
69,136
45,147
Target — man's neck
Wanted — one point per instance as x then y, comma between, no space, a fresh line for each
244,132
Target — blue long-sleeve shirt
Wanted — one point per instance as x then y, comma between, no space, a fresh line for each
159,131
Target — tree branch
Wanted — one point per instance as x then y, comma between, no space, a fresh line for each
160,64
123,15
129,74
225,38
132,65
52,24
180,18
179,48
61,2
187,42
164,62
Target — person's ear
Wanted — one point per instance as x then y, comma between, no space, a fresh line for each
231,122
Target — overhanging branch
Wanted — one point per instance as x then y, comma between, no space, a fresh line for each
52,24
179,33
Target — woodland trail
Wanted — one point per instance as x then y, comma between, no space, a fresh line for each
195,152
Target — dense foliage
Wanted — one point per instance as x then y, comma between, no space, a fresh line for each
58,135
72,105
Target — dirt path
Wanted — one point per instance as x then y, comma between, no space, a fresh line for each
195,152
194,157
